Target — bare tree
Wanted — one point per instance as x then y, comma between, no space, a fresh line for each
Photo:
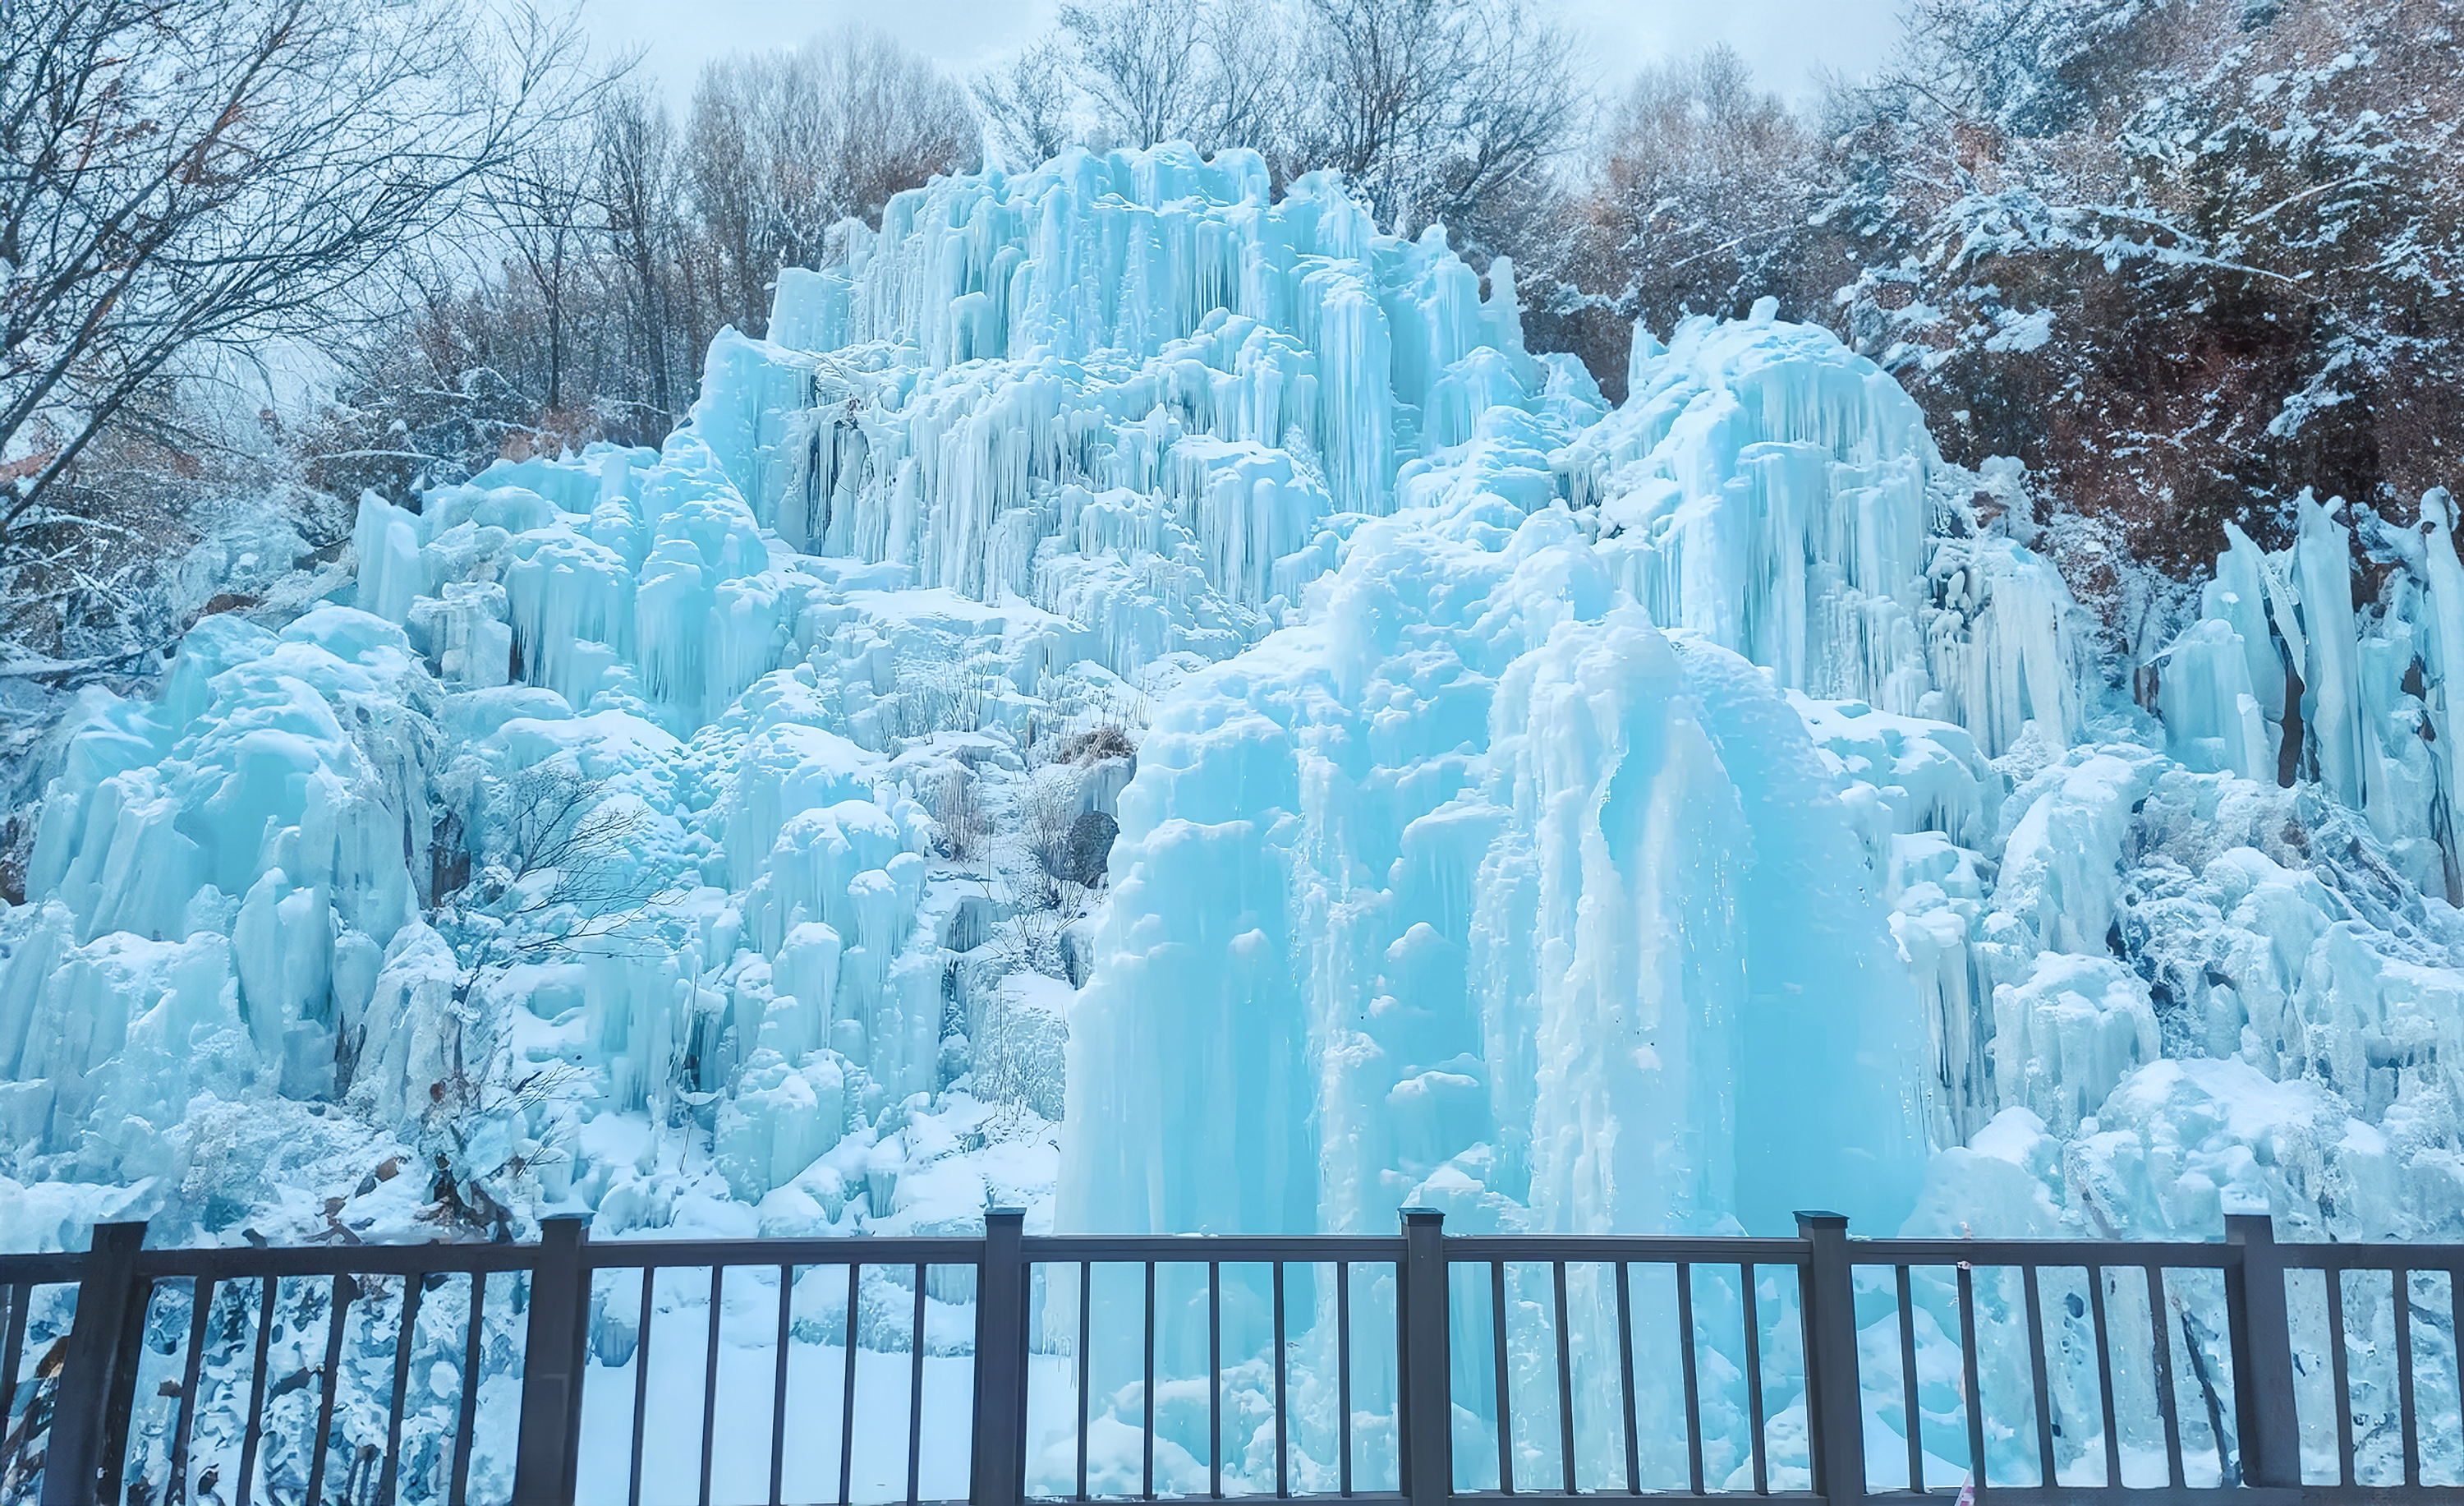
634,159
1706,184
898,119
178,176
1432,109
1026,105
721,145
1216,74
1429,106
1142,65
540,201
787,144
1252,94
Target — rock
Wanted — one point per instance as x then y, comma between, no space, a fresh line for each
1088,848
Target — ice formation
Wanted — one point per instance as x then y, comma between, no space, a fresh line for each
1663,818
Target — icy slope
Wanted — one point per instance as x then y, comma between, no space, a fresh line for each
1575,819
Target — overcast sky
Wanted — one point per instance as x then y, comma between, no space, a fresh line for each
1785,40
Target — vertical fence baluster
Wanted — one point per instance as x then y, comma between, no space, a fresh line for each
1565,1381
1283,1450
1625,1379
2036,1379
200,1302
1915,1414
1967,1374
1826,1300
2455,1333
1754,1378
1687,1367
1343,1377
2104,1381
1146,1400
467,1414
710,1383
2263,1349
2166,1401
846,1389
414,1286
1424,1360
2404,1379
1505,1402
1001,1362
254,1433
778,1386
2339,1368
641,1381
91,1395
338,1313
1215,1378
1085,1380
916,1396
12,1354
550,1443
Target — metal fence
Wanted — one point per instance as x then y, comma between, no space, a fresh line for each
1493,1365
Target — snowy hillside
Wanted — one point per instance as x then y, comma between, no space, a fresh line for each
1151,702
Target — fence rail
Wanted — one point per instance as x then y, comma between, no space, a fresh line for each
1532,1366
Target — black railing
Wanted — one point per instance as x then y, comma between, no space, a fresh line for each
1537,1366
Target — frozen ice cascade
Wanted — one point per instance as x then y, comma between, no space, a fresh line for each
1655,819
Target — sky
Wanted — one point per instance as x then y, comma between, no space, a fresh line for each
1783,41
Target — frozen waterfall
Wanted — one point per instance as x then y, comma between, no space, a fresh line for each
1576,819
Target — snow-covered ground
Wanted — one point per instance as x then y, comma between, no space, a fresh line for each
1144,701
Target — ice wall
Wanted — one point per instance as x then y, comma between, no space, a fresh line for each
1028,457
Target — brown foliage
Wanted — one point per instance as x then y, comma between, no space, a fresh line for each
2183,260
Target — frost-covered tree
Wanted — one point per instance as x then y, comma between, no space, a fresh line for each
1699,203
544,870
182,183
2184,260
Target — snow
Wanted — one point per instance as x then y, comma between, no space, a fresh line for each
1657,819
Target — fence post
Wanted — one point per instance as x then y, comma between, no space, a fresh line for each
2262,1350
999,1462
90,1409
549,1442
1425,1370
1834,1423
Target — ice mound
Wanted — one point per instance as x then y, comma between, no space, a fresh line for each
1514,880
1482,887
